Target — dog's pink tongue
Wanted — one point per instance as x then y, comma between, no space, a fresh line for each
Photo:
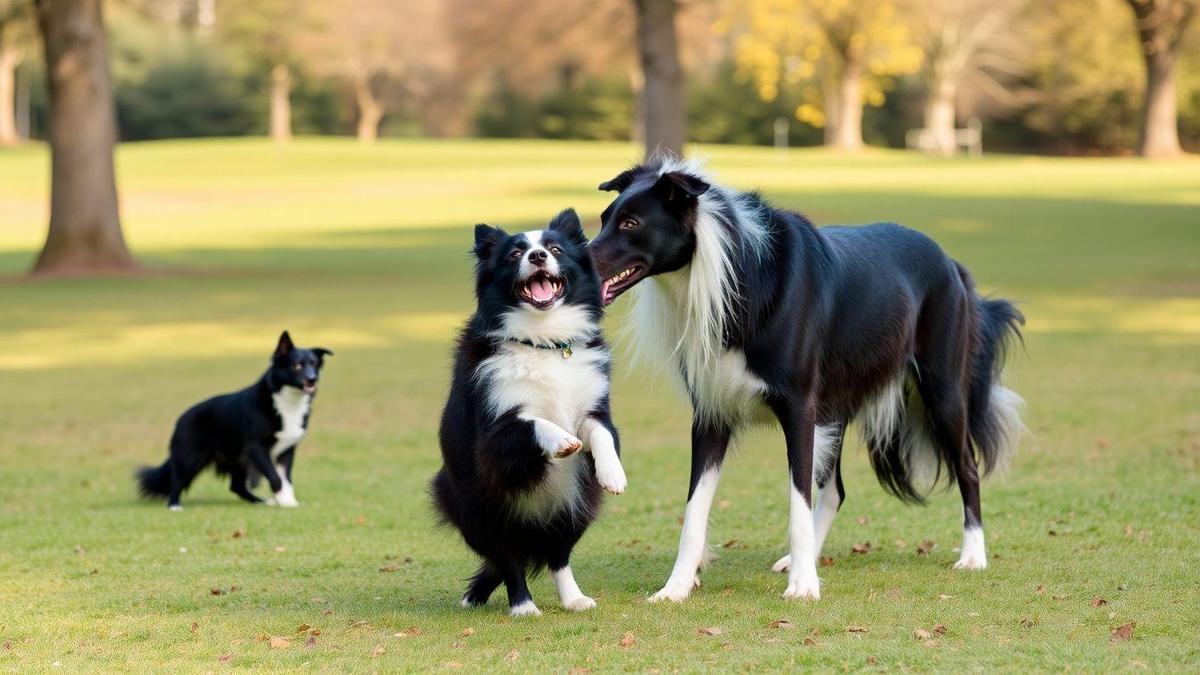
541,290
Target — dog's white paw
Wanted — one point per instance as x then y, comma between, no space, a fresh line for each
175,507
676,591
803,589
554,440
579,604
970,563
783,564
611,476
286,499
526,608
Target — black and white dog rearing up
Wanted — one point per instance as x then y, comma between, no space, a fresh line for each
530,389
247,434
770,318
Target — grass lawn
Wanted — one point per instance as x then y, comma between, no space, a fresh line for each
363,249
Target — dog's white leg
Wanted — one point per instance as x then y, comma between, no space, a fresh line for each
569,594
526,608
973,555
827,508
802,572
286,496
555,441
825,441
692,540
609,472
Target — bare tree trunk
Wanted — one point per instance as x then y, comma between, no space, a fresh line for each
663,104
847,134
939,115
281,105
1160,126
85,227
10,58
370,111
829,94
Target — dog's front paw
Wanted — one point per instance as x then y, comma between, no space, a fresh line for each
554,440
676,590
611,475
803,587
526,608
782,564
579,604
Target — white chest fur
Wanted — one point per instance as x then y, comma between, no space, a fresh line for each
541,383
293,405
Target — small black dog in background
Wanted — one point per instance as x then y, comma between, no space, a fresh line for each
246,434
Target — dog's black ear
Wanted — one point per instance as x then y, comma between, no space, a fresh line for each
486,240
321,353
285,346
675,185
619,183
567,224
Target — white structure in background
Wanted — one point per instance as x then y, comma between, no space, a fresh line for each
969,139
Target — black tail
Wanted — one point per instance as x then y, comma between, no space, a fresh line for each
994,411
155,481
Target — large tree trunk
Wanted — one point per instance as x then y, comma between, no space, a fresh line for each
281,104
10,58
1160,125
662,104
85,228
847,131
370,111
939,115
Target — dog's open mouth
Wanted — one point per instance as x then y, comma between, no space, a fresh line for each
620,282
541,289
310,388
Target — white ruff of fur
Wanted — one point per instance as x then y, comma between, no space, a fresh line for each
292,404
683,316
562,323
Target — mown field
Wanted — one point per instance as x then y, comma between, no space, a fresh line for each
364,250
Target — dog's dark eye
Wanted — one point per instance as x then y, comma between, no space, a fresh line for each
554,248
629,224
516,254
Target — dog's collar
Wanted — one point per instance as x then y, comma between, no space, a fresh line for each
564,347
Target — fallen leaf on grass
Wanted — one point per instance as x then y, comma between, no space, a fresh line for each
378,651
411,631
195,627
781,623
303,628
1041,588
925,547
468,631
390,567
863,520
239,533
79,549
856,629
1029,622
360,623
861,549
826,561
710,630
513,655
1129,530
327,612
931,643
808,642
940,629
723,504
1098,602
901,544
921,634
943,596
315,632
310,642
226,658
627,640
733,543
216,591
280,549
278,642
1122,633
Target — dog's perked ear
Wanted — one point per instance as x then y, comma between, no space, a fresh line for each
619,183
676,185
285,346
567,224
321,353
486,240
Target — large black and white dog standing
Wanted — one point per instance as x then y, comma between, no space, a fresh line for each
530,389
247,434
768,317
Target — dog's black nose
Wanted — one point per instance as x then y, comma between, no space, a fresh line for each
538,258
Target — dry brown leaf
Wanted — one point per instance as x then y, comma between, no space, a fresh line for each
931,643
723,504
808,641
862,549
1123,632
452,665
239,533
195,627
278,642
411,631
1129,530
940,629
627,640
863,520
216,591
468,631
303,628
925,547
378,651
513,655
1098,602
310,642
710,630
1028,622
360,623
390,567
262,637
856,629
943,596
901,544
315,632
921,634
361,520
226,658
280,549
781,623
1041,588
733,543
826,561
79,549
328,612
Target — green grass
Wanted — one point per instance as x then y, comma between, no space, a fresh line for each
364,250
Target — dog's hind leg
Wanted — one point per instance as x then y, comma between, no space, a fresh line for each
239,484
709,445
520,601
486,580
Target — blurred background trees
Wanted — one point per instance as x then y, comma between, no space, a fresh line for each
1070,76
